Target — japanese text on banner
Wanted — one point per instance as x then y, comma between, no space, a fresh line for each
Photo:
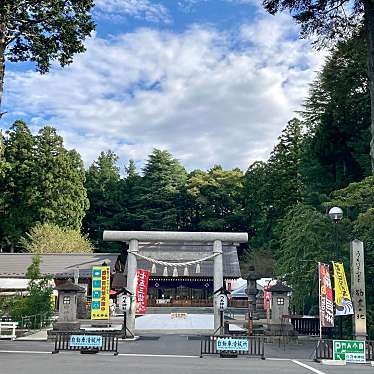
141,291
100,292
326,303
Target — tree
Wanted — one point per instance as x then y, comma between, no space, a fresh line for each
306,236
16,188
43,182
331,21
102,184
42,31
50,238
216,199
58,178
163,180
337,116
38,300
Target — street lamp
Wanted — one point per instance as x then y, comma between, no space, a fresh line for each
336,215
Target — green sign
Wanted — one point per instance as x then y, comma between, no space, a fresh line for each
350,351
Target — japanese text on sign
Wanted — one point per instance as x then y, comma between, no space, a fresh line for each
352,351
141,291
232,344
87,341
100,292
326,304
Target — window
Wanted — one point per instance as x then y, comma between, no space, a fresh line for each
280,301
66,300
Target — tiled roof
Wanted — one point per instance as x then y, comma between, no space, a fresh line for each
61,265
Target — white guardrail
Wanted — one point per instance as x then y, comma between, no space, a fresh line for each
9,328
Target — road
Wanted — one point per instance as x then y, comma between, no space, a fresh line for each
63,363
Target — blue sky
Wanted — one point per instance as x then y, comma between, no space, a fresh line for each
212,81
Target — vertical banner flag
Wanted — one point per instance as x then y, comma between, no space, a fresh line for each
141,290
343,302
100,292
267,298
326,303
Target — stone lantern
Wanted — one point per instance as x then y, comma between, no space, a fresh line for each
280,301
68,302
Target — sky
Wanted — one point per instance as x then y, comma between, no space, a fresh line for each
211,81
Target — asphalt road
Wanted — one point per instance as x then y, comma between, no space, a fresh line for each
170,345
63,363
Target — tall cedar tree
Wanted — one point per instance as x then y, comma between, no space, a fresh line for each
43,30
43,182
102,183
337,116
331,21
162,182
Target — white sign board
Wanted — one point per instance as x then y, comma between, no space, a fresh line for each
221,302
358,289
124,302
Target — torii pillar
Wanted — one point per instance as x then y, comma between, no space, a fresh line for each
134,237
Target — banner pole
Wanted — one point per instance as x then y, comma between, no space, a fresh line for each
319,300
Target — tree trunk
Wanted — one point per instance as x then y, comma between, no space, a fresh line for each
369,20
2,71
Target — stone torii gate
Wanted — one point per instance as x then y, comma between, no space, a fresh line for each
134,237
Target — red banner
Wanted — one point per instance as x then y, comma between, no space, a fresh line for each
267,298
326,301
141,291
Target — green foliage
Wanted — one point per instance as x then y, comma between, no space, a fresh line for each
103,191
337,114
43,182
43,31
307,236
215,199
161,184
356,198
50,238
38,300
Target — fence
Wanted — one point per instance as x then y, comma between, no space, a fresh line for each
109,342
36,321
324,350
208,346
307,325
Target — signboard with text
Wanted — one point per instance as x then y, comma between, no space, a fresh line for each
326,303
141,291
232,344
100,292
358,289
86,341
352,351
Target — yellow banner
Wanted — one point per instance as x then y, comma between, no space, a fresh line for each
343,302
100,292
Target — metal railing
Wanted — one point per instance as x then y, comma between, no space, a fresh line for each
109,341
324,350
256,347
36,321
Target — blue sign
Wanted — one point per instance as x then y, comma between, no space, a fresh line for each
232,344
90,341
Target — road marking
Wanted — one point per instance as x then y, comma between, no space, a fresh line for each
151,355
308,367
35,352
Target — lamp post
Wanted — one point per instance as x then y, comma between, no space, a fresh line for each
336,215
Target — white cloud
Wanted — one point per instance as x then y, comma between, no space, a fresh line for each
141,9
191,93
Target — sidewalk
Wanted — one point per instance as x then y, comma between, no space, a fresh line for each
36,336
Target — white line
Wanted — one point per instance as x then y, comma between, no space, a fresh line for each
36,352
308,367
151,355
277,359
